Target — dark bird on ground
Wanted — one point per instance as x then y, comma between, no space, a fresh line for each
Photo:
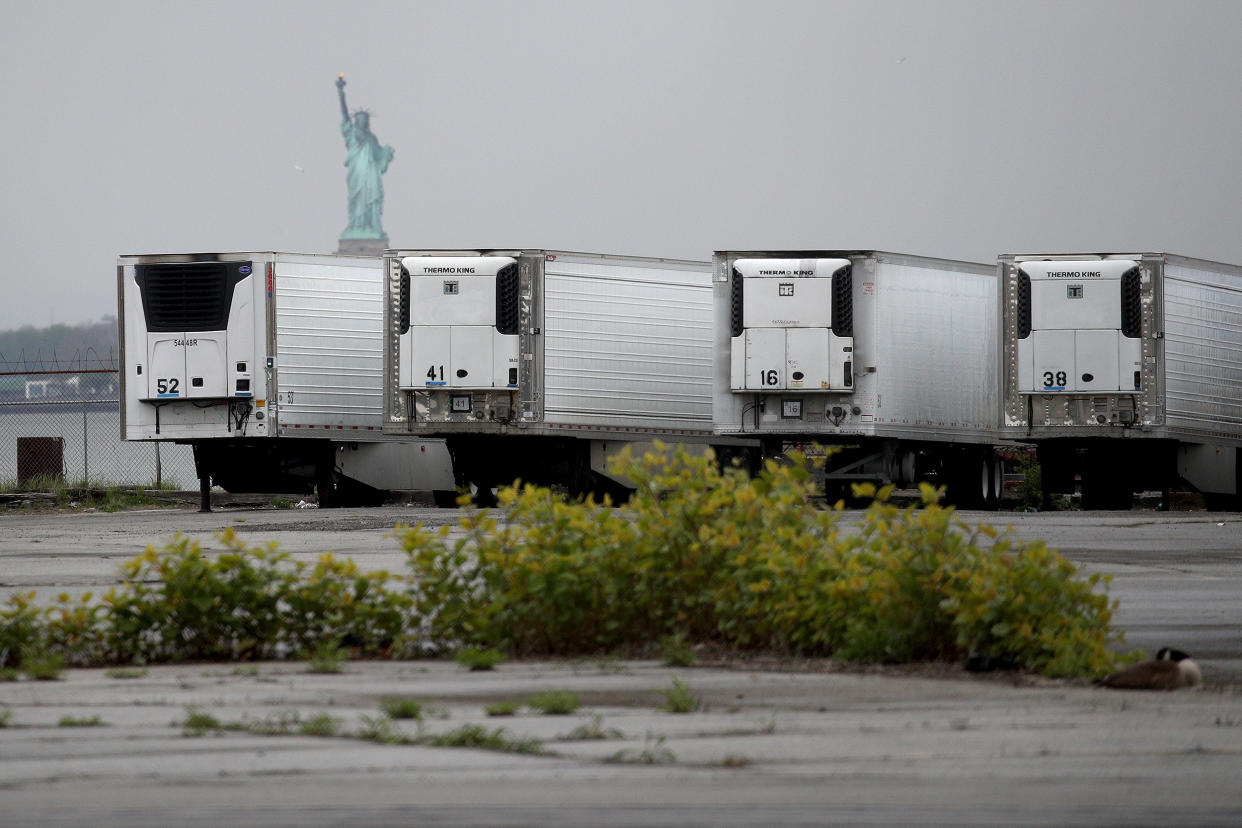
1169,670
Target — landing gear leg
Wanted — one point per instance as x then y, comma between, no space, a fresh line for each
204,481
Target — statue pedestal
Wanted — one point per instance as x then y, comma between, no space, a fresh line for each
362,247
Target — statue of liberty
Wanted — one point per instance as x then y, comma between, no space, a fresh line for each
365,162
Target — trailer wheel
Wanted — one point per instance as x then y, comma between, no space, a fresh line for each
484,495
352,493
908,470
1221,502
998,480
445,498
969,480
984,477
992,480
325,488
1106,483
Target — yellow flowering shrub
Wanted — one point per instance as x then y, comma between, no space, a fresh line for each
712,555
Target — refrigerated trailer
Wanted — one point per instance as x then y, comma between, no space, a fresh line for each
1125,371
889,359
270,365
540,364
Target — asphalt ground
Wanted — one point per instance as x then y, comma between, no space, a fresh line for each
792,743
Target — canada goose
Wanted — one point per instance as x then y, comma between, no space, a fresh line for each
1169,670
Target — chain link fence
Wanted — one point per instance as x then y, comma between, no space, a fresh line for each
50,433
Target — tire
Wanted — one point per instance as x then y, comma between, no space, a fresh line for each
998,481
984,482
908,470
326,493
445,498
484,495
1221,502
970,483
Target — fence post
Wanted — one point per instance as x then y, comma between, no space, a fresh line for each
86,473
159,482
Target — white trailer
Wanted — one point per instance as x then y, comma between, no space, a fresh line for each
1125,370
891,359
539,364
271,366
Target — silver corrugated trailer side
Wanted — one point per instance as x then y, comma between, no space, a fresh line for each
573,354
270,366
1125,370
891,358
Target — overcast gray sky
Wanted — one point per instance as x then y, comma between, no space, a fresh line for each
955,129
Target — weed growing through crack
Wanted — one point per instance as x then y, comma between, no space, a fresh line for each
326,657
246,670
402,708
734,761
83,721
502,708
379,729
593,730
478,736
676,651
473,658
321,724
5,716
197,723
653,752
43,666
127,672
679,699
555,702
281,723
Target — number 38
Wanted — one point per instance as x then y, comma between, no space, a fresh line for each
1054,380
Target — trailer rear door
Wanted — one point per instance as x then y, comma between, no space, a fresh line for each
1078,326
463,322
791,336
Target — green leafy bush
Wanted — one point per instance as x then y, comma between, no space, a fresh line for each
923,585
701,555
179,603
43,666
714,556
22,628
